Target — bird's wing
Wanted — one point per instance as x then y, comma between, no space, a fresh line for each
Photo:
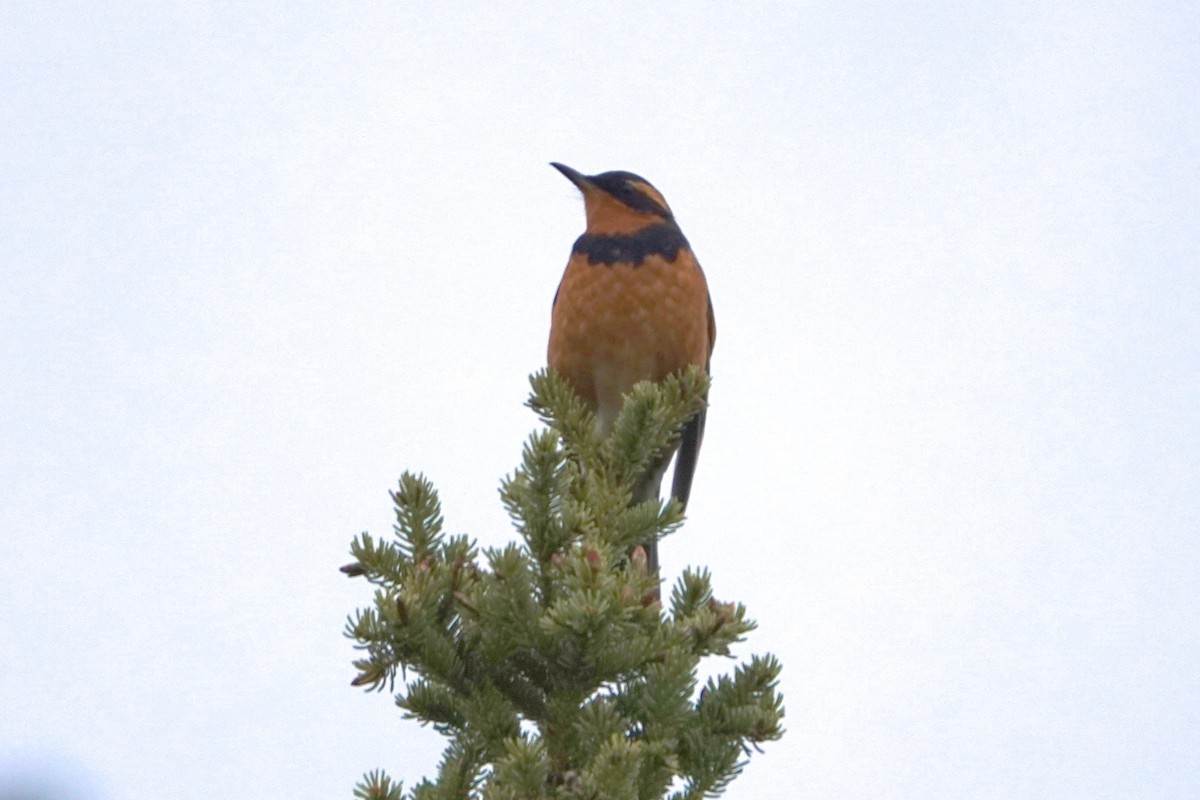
693,432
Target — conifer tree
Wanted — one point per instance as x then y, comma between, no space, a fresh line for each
549,663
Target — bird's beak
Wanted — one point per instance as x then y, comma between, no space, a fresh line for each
574,176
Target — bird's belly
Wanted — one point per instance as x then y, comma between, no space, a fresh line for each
616,324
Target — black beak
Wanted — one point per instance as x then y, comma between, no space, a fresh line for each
574,176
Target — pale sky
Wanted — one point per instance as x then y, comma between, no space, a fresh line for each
258,259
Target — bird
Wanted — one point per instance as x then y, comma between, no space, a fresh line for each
633,305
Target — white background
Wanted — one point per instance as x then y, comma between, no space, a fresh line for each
257,259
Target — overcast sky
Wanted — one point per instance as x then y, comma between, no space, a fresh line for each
258,259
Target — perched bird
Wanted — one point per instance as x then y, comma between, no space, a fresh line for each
633,305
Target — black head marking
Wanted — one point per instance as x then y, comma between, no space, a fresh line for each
620,185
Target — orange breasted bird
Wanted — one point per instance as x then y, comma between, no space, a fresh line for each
633,305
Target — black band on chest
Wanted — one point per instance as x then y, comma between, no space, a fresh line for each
663,240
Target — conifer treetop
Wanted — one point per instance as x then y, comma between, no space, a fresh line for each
549,663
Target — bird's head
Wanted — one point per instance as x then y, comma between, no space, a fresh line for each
618,202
